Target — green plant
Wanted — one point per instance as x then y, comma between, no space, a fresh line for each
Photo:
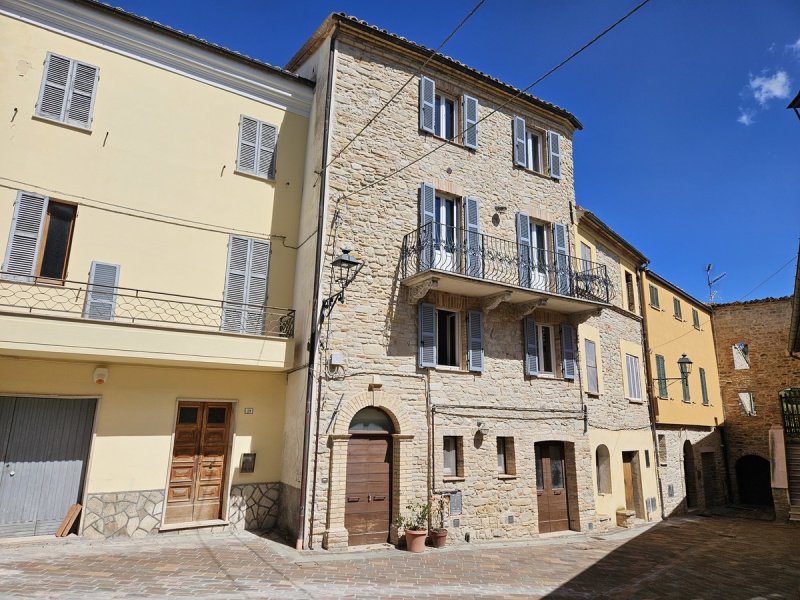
416,517
438,514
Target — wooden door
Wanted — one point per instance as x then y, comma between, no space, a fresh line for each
199,456
709,464
689,476
627,474
551,488
367,512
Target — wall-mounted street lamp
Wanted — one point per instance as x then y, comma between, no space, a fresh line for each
483,428
345,268
685,366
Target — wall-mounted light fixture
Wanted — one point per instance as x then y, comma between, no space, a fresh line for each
483,428
685,365
100,375
345,268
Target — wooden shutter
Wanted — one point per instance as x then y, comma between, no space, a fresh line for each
687,396
676,303
593,383
53,95
563,271
568,351
248,137
427,335
101,293
427,218
427,104
474,253
654,296
475,340
703,386
524,248
531,347
80,99
470,106
518,135
257,280
634,387
267,137
661,375
246,284
695,318
555,154
24,241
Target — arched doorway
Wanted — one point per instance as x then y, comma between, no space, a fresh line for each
368,492
689,475
753,478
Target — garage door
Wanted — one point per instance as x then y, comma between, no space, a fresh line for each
44,444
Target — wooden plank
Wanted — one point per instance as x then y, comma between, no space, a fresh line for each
69,520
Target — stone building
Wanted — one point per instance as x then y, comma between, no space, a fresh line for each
688,413
451,370
756,367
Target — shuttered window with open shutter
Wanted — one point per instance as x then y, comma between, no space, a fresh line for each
531,346
246,284
257,142
524,249
427,217
470,106
554,141
661,375
427,335
518,135
568,351
475,340
474,251
24,241
68,91
563,267
703,386
427,104
101,293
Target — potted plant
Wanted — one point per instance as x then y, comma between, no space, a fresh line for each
415,525
439,534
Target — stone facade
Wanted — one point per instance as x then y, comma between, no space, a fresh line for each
254,505
764,326
123,514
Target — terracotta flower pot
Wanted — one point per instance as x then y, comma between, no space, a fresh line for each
438,537
415,540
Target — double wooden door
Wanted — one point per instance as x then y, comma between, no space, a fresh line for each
367,514
551,487
199,458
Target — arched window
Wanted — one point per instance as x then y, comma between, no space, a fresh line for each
603,465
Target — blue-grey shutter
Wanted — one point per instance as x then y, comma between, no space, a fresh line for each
568,351
473,244
470,106
267,137
24,241
531,347
520,155
257,280
661,375
248,141
101,293
427,104
563,270
53,95
475,340
427,219
524,248
81,92
703,386
634,387
235,294
427,335
555,154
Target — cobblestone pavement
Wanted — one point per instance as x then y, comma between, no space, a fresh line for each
692,558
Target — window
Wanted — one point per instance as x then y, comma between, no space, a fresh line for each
257,141
634,385
676,304
629,291
439,114
439,338
586,256
453,448
506,463
662,449
748,402
528,148
546,350
68,91
540,355
40,239
246,280
687,397
661,376
602,461
703,386
654,297
592,383
695,318
741,356
542,252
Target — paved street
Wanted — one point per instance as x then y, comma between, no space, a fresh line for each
696,558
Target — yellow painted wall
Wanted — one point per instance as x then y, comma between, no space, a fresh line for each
160,142
671,338
616,271
618,442
136,415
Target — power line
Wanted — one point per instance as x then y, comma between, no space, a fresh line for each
503,105
409,80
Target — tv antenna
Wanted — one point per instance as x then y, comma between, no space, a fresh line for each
712,293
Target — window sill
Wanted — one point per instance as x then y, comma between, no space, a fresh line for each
453,478
593,394
635,400
254,176
78,128
456,143
537,173
664,398
506,477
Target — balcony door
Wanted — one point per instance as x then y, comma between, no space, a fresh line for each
445,234
540,255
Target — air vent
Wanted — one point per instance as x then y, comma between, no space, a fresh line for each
510,519
456,522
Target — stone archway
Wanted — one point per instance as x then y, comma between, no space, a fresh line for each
336,535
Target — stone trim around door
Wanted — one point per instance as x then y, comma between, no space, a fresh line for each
123,514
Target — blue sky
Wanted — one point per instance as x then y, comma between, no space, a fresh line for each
687,150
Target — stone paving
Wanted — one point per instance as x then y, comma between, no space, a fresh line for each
692,558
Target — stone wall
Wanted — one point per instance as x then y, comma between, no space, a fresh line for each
123,514
254,505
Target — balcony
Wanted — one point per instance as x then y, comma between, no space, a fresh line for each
51,318
477,265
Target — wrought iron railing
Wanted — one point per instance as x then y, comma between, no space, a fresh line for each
140,307
790,407
451,249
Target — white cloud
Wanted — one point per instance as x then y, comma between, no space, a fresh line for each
746,117
794,48
771,48
766,88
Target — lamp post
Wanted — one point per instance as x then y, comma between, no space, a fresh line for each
345,269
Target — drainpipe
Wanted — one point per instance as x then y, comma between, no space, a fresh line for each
651,392
315,309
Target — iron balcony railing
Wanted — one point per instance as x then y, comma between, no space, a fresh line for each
71,299
790,407
454,250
